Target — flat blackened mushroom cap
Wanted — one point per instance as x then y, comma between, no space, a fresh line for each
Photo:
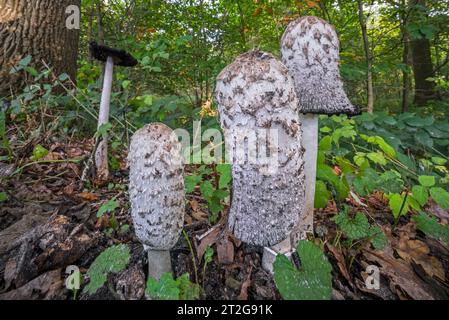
121,57
310,50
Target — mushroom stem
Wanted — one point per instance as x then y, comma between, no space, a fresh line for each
159,262
309,124
270,254
101,154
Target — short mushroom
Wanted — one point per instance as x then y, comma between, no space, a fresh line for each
156,192
310,50
256,96
111,57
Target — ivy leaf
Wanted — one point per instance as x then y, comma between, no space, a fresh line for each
112,260
440,196
427,181
313,281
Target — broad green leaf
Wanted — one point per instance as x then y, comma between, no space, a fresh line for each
313,281
427,181
440,196
207,189
379,239
420,194
417,121
423,138
354,228
325,143
377,158
397,205
439,161
322,195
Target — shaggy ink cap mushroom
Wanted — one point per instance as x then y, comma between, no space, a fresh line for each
310,50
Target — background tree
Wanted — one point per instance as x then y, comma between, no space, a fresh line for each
37,28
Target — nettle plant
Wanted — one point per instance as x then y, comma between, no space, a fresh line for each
404,157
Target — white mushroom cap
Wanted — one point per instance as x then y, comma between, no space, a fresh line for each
310,50
256,93
156,187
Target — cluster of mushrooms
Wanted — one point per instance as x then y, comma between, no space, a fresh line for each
273,209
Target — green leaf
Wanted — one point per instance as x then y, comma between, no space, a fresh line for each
417,121
377,158
327,174
225,171
395,202
164,289
420,194
354,229
168,288
3,196
325,143
379,239
187,289
108,207
427,181
207,189
322,195
39,152
440,196
432,228
313,281
423,138
208,254
191,182
112,260
103,130
439,161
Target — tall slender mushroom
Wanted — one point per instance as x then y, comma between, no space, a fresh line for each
310,50
111,57
156,191
256,96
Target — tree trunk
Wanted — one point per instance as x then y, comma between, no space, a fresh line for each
406,60
37,28
422,62
369,76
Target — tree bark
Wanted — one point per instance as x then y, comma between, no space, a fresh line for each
37,28
406,60
369,62
422,62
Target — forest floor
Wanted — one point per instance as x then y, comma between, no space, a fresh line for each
49,222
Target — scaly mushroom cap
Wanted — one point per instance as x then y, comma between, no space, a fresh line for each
120,57
156,186
255,94
310,50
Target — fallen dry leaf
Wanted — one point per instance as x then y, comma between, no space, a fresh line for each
88,196
206,241
225,251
